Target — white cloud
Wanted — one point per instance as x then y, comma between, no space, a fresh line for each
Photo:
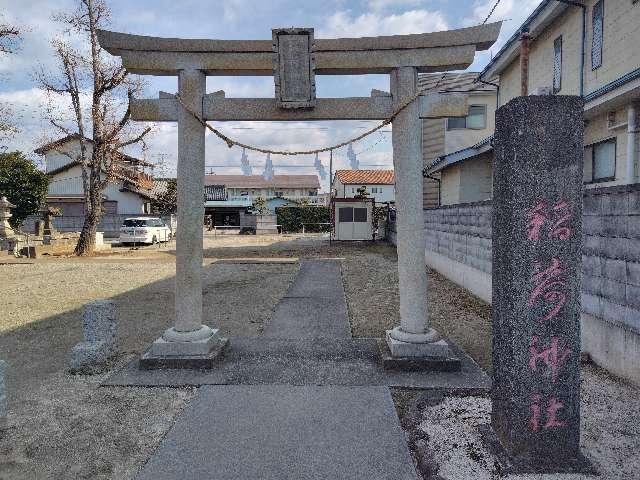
343,24
378,5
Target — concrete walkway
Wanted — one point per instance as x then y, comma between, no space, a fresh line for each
314,306
240,432
281,432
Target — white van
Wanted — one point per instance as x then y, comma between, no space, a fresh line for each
144,230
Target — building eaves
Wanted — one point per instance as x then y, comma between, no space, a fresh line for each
444,161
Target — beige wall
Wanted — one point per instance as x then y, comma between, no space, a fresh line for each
621,46
620,53
450,184
569,26
476,179
456,140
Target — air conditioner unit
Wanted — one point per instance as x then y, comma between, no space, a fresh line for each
543,91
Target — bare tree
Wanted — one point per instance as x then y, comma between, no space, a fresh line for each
97,90
9,38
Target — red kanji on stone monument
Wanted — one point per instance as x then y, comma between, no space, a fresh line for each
553,357
553,406
549,285
537,217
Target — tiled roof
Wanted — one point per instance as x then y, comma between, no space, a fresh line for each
456,82
366,177
258,181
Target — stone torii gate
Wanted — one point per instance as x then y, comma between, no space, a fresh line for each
293,57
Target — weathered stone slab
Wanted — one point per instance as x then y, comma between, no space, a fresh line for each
99,323
89,357
537,238
284,432
310,361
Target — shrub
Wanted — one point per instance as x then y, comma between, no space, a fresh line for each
292,217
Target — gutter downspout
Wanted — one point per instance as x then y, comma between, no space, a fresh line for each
632,138
525,40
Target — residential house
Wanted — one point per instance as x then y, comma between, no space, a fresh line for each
446,136
229,196
128,191
589,50
380,184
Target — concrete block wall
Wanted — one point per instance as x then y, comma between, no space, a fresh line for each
611,255
458,245
462,233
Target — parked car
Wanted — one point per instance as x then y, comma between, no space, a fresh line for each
144,230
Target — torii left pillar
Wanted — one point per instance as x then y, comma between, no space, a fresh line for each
189,343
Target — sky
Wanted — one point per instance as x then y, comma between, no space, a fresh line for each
242,19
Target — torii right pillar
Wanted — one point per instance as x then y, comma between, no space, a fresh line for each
413,345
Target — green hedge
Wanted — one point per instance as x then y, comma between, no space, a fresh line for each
292,218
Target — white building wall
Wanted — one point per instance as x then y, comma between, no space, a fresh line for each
128,203
64,154
69,182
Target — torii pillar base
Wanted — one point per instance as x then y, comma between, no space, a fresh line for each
402,352
199,349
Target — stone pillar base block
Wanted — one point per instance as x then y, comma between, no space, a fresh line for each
196,354
436,356
576,463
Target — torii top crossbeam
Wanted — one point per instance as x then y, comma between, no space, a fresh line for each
293,57
428,52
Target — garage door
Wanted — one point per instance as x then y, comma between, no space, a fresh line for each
353,223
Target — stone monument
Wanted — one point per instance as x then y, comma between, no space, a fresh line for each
537,241
294,57
5,214
99,330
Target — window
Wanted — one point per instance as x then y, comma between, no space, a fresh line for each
597,25
374,189
345,214
600,162
476,120
360,215
353,189
557,64
456,123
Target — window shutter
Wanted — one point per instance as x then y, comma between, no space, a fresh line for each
597,31
557,64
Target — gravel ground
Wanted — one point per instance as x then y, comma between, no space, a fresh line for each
453,450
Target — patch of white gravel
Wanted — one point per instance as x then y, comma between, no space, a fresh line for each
610,433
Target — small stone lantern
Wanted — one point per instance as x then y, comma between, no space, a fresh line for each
5,214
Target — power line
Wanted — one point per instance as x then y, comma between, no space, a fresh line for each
491,12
